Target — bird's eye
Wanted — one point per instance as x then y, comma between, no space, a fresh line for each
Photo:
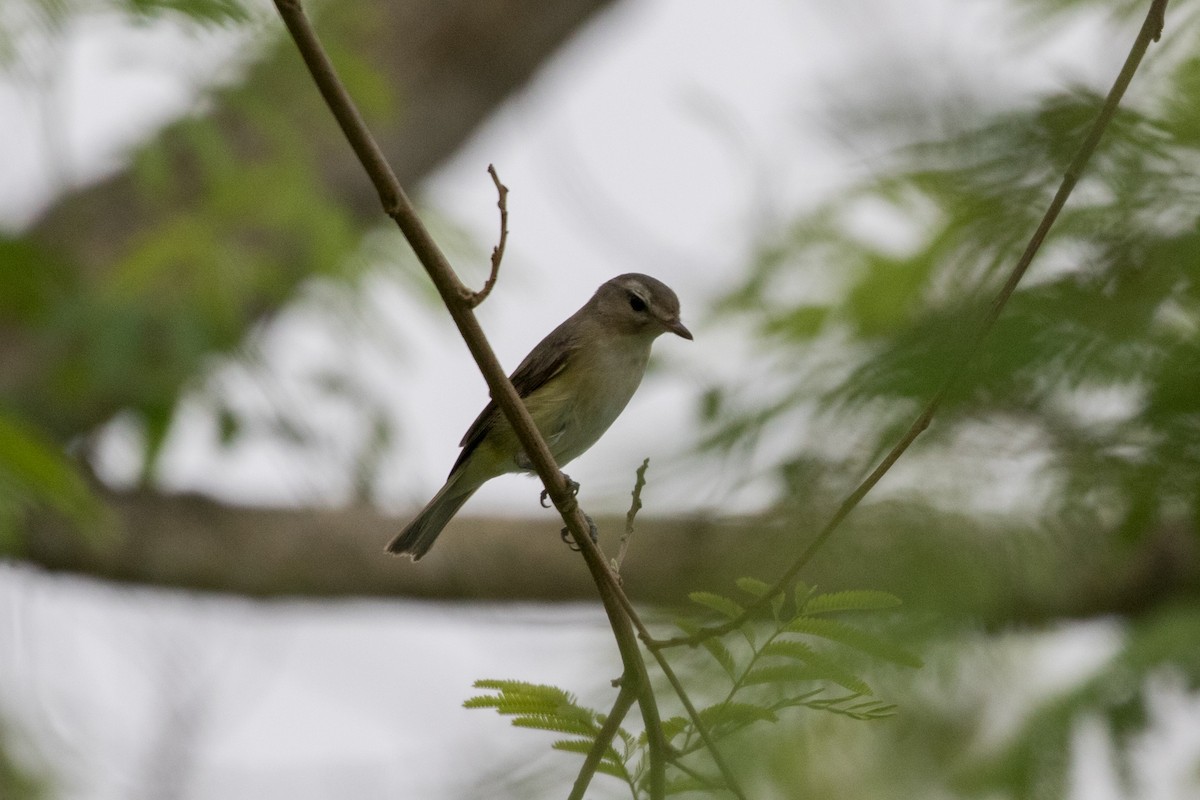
637,303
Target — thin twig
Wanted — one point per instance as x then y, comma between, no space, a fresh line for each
709,741
617,607
613,586
397,205
1151,31
694,775
473,299
608,731
635,506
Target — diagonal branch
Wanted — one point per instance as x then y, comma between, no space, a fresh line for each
701,728
1150,32
608,731
454,295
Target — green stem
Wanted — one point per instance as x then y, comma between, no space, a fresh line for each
608,731
709,741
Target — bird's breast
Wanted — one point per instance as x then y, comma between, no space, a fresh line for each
579,405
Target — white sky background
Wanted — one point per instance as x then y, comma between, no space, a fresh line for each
656,142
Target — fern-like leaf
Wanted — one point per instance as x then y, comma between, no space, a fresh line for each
537,706
859,600
719,603
511,705
674,726
717,649
524,687
733,716
753,586
852,636
818,665
580,713
792,673
756,589
866,710
615,770
519,697
584,746
581,746
555,724
726,607
630,741
780,673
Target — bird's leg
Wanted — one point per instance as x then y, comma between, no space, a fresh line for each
572,489
593,531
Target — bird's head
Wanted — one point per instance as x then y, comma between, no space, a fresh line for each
638,304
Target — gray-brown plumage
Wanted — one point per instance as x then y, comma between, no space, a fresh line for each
575,383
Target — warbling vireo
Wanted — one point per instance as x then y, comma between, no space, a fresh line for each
574,383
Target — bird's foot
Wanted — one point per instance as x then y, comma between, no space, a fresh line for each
572,488
593,531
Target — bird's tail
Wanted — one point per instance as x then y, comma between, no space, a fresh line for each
418,536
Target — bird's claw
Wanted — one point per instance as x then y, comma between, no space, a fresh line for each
593,531
572,489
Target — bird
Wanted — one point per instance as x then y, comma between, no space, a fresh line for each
575,383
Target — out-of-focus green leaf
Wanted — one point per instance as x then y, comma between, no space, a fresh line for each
853,600
33,472
722,605
1110,304
855,637
31,280
218,12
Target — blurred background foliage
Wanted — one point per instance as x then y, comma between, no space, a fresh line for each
1089,387
125,299
128,320
1092,374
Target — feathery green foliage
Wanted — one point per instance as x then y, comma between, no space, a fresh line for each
34,471
794,659
549,708
1091,375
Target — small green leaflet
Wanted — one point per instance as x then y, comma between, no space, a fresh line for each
722,605
859,600
854,637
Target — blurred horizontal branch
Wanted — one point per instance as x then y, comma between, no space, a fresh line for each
998,576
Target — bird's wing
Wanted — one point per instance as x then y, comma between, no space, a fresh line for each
543,363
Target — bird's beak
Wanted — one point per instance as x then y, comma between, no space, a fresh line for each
676,327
